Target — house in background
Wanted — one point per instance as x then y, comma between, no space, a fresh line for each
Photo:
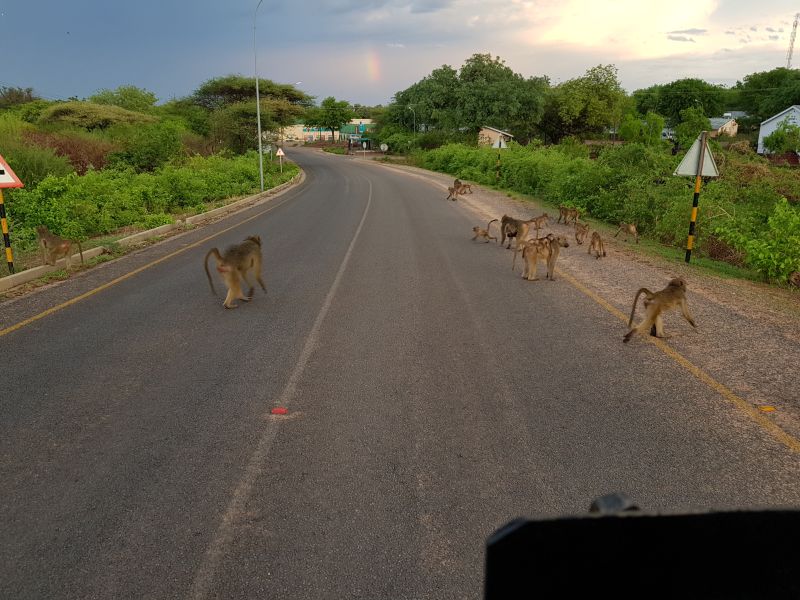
487,136
723,126
790,115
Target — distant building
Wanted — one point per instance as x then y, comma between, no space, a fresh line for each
300,132
723,126
735,114
487,136
790,115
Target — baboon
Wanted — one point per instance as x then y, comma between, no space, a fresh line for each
484,233
794,278
234,265
513,228
453,194
655,303
54,247
539,223
572,214
457,183
597,245
562,213
548,248
520,249
581,231
628,228
464,188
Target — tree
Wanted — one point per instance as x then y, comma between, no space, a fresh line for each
689,93
13,96
693,121
767,93
128,97
233,89
331,114
786,138
483,92
585,105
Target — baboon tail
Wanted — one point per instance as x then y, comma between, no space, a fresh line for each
635,300
215,252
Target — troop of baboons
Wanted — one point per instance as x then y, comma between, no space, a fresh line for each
240,261
549,246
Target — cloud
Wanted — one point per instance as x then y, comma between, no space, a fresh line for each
754,28
690,31
774,37
680,38
395,45
771,30
730,33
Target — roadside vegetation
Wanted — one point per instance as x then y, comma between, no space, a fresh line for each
586,143
119,159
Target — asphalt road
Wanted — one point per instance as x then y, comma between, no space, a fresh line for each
432,396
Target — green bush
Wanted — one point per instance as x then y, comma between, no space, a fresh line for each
742,214
101,202
147,146
90,116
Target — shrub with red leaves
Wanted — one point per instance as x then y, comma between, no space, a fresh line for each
82,152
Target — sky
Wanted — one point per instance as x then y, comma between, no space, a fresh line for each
364,51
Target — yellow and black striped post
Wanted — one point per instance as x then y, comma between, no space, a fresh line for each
6,238
697,182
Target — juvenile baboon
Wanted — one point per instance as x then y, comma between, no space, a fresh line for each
655,303
794,278
484,233
596,245
54,247
581,231
547,248
539,223
234,265
520,249
562,213
628,228
464,188
457,183
452,194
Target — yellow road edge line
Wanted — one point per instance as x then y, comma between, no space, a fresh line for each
776,432
113,282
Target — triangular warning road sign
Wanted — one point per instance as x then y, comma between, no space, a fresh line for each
688,166
7,177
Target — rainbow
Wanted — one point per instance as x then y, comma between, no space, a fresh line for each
373,66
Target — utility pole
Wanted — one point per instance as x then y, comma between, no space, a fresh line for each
258,100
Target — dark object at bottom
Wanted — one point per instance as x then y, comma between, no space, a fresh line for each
730,555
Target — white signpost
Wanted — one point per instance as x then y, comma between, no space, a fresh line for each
280,154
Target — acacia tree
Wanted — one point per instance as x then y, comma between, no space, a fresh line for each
231,107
